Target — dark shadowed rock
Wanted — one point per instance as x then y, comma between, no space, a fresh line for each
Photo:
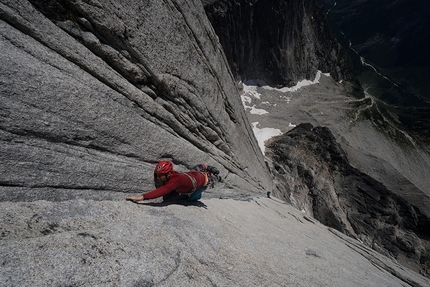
280,42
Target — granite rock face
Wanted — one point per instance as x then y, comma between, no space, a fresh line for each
93,94
218,242
279,42
314,174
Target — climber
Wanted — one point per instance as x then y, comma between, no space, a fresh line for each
190,183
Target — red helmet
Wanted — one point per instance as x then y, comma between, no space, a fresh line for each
163,167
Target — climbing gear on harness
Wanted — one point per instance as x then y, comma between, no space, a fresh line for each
211,173
193,181
196,194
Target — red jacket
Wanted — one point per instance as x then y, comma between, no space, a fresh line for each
180,182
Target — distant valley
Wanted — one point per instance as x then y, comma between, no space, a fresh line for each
391,38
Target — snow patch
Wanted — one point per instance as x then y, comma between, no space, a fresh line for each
250,86
250,92
246,101
264,134
300,84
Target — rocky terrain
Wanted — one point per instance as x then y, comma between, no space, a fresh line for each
322,181
332,167
93,94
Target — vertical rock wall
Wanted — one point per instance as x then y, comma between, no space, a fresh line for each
280,42
93,94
